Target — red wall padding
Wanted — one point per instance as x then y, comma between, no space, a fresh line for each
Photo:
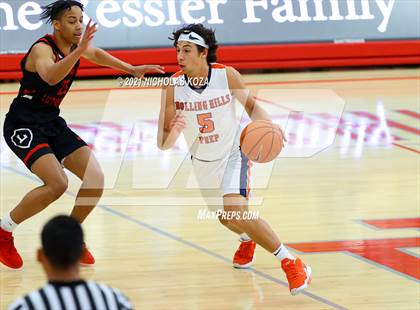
305,55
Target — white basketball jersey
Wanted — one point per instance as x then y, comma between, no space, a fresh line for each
212,127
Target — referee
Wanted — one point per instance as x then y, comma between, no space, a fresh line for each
62,246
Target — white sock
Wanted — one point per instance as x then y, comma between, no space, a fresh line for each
282,253
7,223
244,237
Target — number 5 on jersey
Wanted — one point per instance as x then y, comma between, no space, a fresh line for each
206,123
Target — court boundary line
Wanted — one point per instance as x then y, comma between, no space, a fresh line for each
290,82
184,242
405,147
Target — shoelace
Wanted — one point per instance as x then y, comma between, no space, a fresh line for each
243,248
293,273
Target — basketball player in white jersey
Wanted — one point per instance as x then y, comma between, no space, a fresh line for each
205,113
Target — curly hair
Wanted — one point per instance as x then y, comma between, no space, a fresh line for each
206,33
54,11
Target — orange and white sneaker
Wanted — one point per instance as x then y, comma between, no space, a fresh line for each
297,273
8,253
87,257
244,256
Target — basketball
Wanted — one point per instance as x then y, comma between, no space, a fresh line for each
261,141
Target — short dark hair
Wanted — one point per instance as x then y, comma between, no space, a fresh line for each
55,10
62,241
206,33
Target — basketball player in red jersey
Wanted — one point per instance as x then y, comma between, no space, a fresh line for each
206,115
37,134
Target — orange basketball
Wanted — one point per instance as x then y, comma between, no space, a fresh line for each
261,141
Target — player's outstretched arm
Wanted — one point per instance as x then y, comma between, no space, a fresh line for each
103,58
242,93
171,123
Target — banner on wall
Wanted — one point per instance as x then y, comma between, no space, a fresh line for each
148,23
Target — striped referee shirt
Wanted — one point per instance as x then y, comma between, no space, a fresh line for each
80,295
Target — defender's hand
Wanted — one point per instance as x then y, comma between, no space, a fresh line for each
140,71
88,35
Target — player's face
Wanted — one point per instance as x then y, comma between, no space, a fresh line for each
70,25
189,59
